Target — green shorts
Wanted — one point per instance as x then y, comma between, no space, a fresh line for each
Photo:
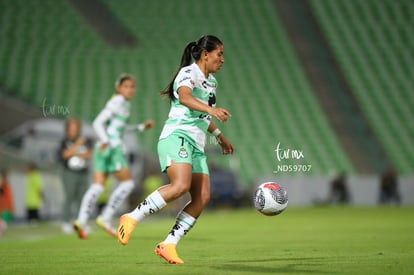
176,148
110,160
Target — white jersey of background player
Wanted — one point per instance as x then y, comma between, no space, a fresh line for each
108,157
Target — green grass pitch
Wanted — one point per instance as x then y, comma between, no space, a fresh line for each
319,240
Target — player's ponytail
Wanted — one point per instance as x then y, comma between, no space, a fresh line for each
192,50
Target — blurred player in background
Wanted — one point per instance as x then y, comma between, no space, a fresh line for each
34,193
75,151
108,157
181,145
6,201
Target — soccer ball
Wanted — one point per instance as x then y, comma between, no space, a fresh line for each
270,198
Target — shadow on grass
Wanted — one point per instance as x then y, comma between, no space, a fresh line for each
263,266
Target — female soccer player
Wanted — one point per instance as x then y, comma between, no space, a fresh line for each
108,157
181,145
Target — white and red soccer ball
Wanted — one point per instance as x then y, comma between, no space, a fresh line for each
270,198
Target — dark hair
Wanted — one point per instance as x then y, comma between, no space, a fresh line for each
122,78
192,50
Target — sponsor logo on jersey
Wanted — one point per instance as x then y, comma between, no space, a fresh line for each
211,99
184,79
206,84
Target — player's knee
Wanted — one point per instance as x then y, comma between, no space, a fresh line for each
180,189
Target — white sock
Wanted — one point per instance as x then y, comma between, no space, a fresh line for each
116,199
88,202
182,225
151,204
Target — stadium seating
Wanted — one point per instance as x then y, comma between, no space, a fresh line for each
261,82
373,43
51,54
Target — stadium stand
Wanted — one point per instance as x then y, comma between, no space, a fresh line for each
373,43
53,57
261,82
329,85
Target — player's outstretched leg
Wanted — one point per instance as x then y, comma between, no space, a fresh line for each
115,200
127,222
86,208
168,252
80,230
167,249
125,228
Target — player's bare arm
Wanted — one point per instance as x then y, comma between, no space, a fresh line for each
189,101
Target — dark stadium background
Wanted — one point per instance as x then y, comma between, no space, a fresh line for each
331,79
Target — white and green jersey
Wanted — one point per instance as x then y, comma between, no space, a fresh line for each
181,119
110,124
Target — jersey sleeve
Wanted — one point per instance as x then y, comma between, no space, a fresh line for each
99,124
186,77
114,104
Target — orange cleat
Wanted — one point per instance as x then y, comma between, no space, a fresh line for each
79,229
168,252
125,228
